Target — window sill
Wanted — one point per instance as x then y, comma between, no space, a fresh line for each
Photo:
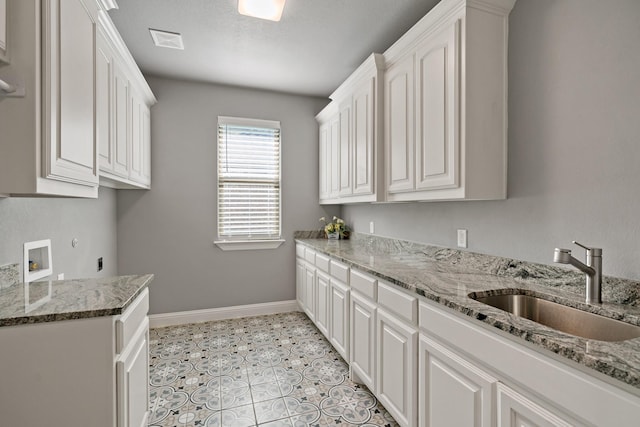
247,245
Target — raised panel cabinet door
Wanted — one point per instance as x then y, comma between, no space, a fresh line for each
452,390
132,381
334,138
3,30
396,349
309,291
515,410
363,341
121,122
69,46
300,283
363,138
137,139
437,111
104,102
399,125
322,302
145,130
345,146
339,318
325,161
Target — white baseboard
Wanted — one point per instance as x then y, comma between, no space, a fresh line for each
207,315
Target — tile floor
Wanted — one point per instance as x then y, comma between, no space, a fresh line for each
276,370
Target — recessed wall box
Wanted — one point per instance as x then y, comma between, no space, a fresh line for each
37,260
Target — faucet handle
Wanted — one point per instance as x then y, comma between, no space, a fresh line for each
590,251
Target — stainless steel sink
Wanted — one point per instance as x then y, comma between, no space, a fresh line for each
566,319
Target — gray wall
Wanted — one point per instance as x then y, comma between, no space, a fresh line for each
91,221
169,230
574,144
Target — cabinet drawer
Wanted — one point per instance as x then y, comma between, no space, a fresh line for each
310,255
322,262
340,271
300,251
365,284
398,302
129,322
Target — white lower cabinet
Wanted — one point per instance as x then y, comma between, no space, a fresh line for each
77,373
363,340
515,410
132,381
300,283
339,317
396,350
452,391
431,366
310,291
322,302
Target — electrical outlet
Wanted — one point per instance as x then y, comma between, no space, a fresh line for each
372,227
100,264
462,238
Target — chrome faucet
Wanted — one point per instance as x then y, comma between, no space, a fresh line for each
593,269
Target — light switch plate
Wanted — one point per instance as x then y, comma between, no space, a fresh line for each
462,238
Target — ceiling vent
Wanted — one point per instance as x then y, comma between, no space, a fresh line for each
167,39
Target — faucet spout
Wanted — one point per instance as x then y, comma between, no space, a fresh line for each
592,269
563,256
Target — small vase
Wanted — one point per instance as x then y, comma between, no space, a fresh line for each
333,236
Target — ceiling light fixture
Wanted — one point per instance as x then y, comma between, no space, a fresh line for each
167,39
263,9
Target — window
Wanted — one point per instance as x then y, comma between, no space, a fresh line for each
248,183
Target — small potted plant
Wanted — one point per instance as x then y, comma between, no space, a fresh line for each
336,229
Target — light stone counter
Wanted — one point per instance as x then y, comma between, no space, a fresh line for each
52,301
449,276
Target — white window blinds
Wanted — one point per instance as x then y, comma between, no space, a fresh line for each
248,179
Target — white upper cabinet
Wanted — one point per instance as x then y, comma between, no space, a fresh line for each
49,129
399,125
3,31
351,128
446,103
125,153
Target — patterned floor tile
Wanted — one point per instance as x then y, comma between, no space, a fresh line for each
272,371
270,410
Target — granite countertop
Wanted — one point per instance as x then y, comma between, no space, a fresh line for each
51,301
449,276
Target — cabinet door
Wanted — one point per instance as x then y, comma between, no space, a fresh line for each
136,138
104,102
322,302
452,391
69,44
515,410
121,122
309,291
396,346
345,148
363,138
363,338
399,125
437,111
3,30
334,138
132,381
300,283
339,318
145,130
325,161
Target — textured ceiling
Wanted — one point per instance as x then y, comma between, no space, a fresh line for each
315,46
